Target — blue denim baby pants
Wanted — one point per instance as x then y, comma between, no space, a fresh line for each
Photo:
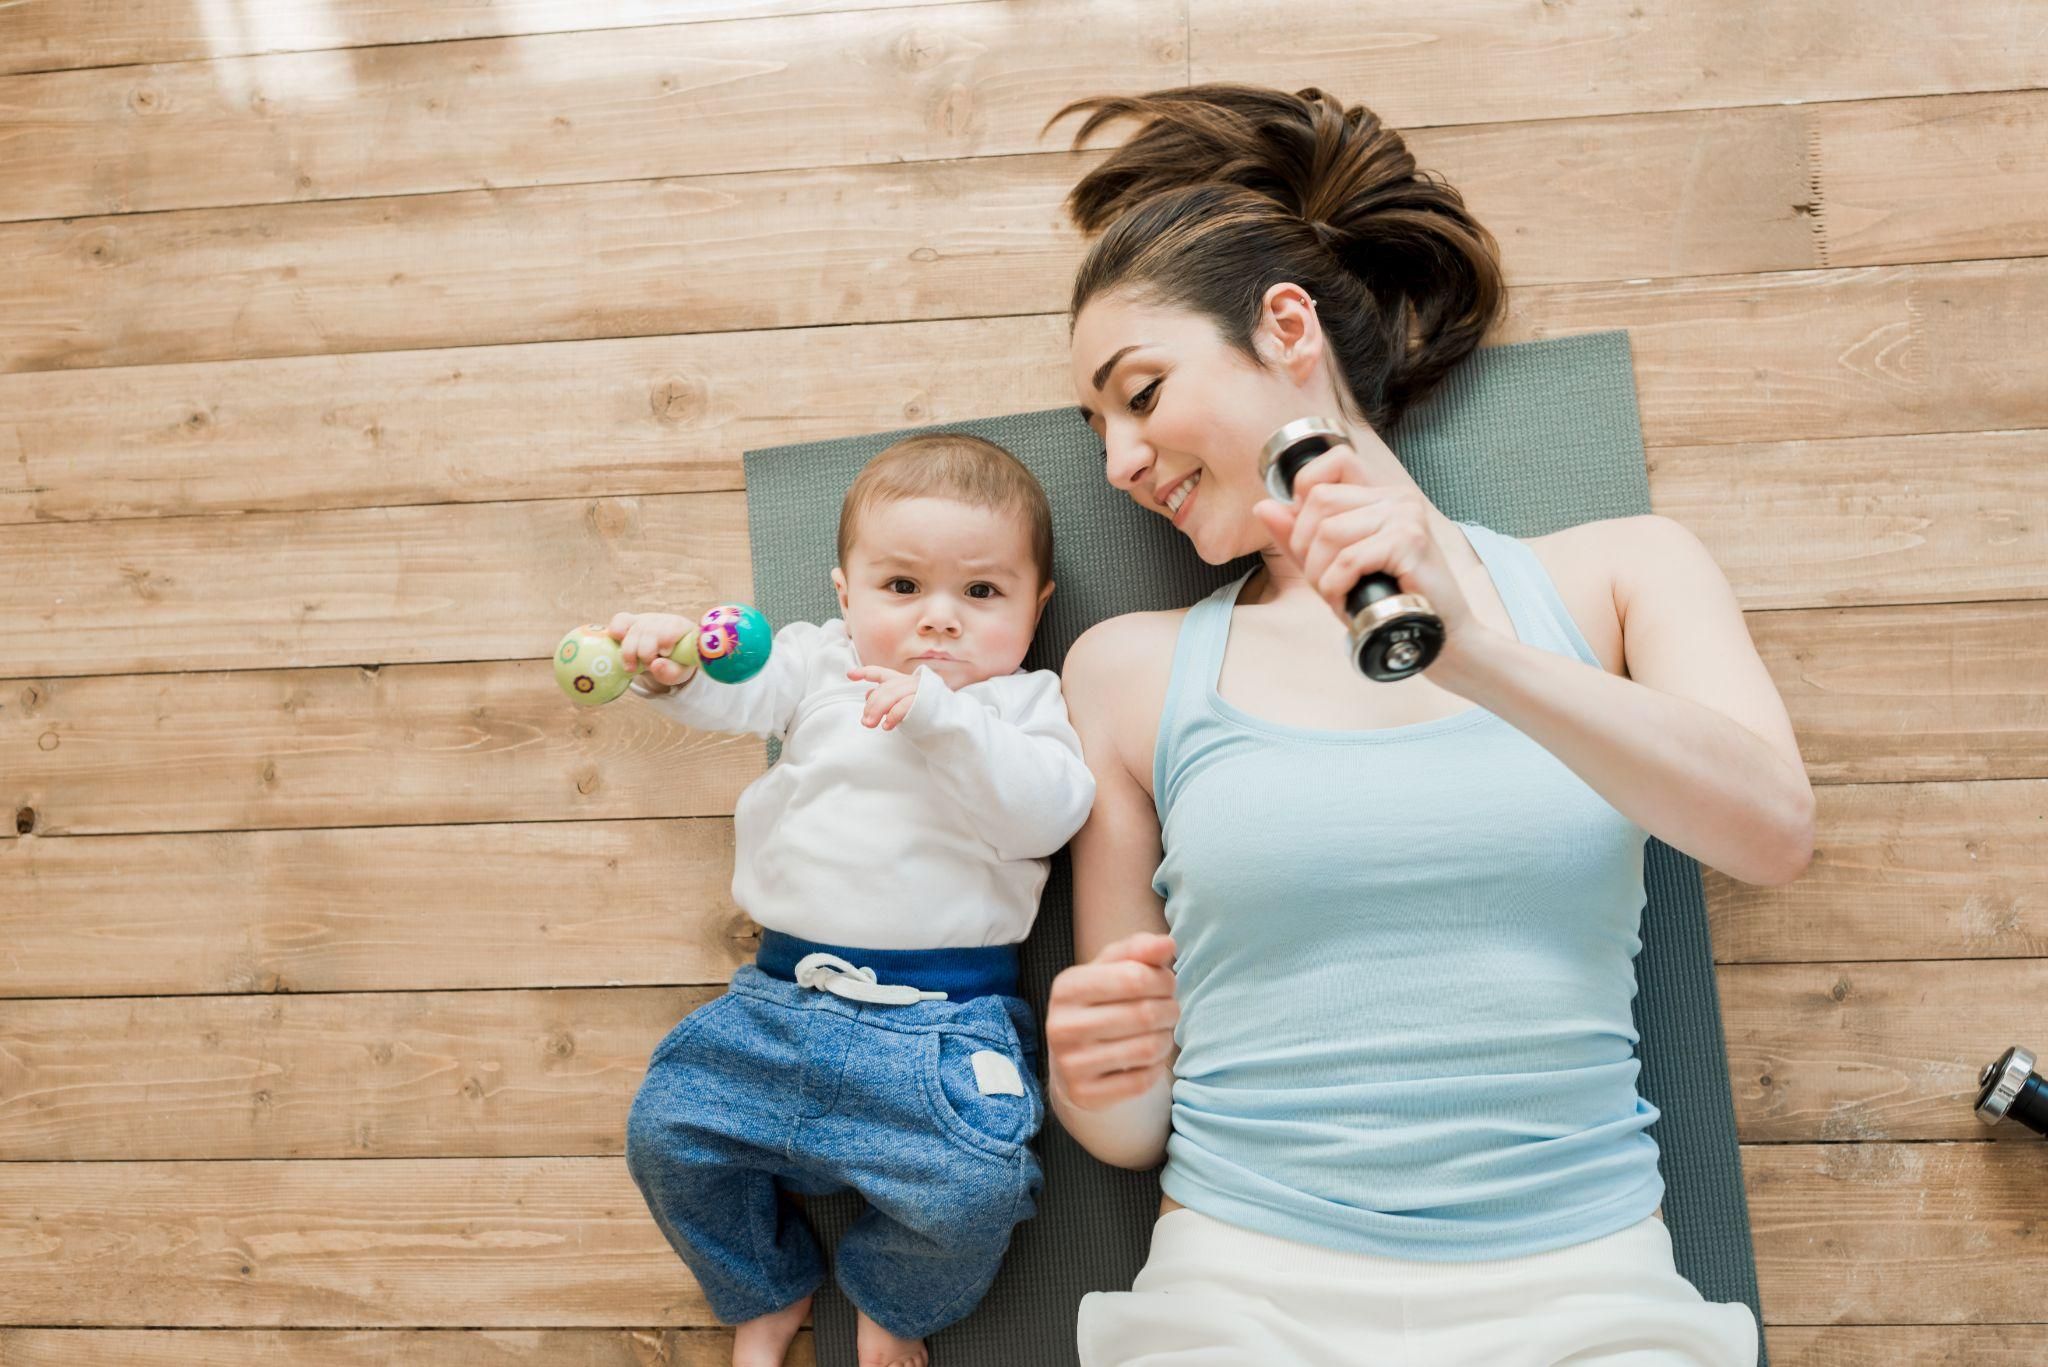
776,1087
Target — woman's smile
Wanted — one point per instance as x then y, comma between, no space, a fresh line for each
1181,495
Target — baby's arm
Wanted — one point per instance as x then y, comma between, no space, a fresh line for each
761,706
1020,780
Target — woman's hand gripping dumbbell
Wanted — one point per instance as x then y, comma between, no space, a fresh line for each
1393,634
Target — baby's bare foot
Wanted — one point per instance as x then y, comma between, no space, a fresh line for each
880,1348
764,1342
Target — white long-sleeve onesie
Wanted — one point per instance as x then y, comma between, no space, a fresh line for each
932,835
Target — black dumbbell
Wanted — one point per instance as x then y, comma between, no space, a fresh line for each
2010,1089
1393,634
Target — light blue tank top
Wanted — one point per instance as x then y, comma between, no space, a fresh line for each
1406,962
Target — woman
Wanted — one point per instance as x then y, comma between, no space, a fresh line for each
1396,1095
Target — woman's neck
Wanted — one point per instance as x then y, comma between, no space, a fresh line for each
1279,580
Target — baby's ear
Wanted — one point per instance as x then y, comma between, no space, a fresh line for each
839,585
1043,595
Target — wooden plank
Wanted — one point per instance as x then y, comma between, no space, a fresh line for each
1927,693
1476,61
41,35
1687,193
376,1075
1818,354
1919,1345
1696,193
638,416
375,1347
1718,192
811,247
473,581
546,904
1933,180
335,747
705,254
961,80
1862,1051
1897,1233
1901,871
1949,517
557,1243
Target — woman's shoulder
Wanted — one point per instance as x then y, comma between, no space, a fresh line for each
1117,644
1589,563
1122,664
1115,679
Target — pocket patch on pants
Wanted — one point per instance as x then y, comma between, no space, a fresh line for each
994,1074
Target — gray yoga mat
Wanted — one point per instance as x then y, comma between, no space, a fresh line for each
1523,439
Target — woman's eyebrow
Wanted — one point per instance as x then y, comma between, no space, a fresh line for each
1102,373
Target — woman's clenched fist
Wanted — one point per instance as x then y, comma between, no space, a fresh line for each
1109,1022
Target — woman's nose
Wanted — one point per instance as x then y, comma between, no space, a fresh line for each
1127,458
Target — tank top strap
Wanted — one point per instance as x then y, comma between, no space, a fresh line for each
1530,595
1197,660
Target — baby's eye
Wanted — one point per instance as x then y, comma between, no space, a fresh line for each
990,587
911,586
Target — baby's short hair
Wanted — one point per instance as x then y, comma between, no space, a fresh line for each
951,465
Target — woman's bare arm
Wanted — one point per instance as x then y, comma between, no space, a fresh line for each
1109,1023
1695,744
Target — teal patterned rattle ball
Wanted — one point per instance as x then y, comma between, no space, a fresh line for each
733,642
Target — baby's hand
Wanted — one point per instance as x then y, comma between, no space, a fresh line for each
890,699
650,636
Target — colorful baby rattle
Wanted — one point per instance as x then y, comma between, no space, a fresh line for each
731,644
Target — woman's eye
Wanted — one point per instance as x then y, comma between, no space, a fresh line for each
1142,397
908,586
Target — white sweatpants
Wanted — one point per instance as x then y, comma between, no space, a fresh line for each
1213,1295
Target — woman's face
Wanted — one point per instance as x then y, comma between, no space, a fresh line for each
1182,414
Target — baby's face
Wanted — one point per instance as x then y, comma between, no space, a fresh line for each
944,584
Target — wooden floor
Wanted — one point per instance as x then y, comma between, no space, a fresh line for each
350,350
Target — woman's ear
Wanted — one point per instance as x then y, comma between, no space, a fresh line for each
839,586
1290,335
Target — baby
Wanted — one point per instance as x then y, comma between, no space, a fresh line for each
893,856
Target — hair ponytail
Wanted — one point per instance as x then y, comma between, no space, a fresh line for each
1228,189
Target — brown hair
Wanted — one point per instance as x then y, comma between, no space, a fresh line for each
1229,189
951,465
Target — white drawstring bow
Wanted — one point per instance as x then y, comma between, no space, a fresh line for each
830,973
